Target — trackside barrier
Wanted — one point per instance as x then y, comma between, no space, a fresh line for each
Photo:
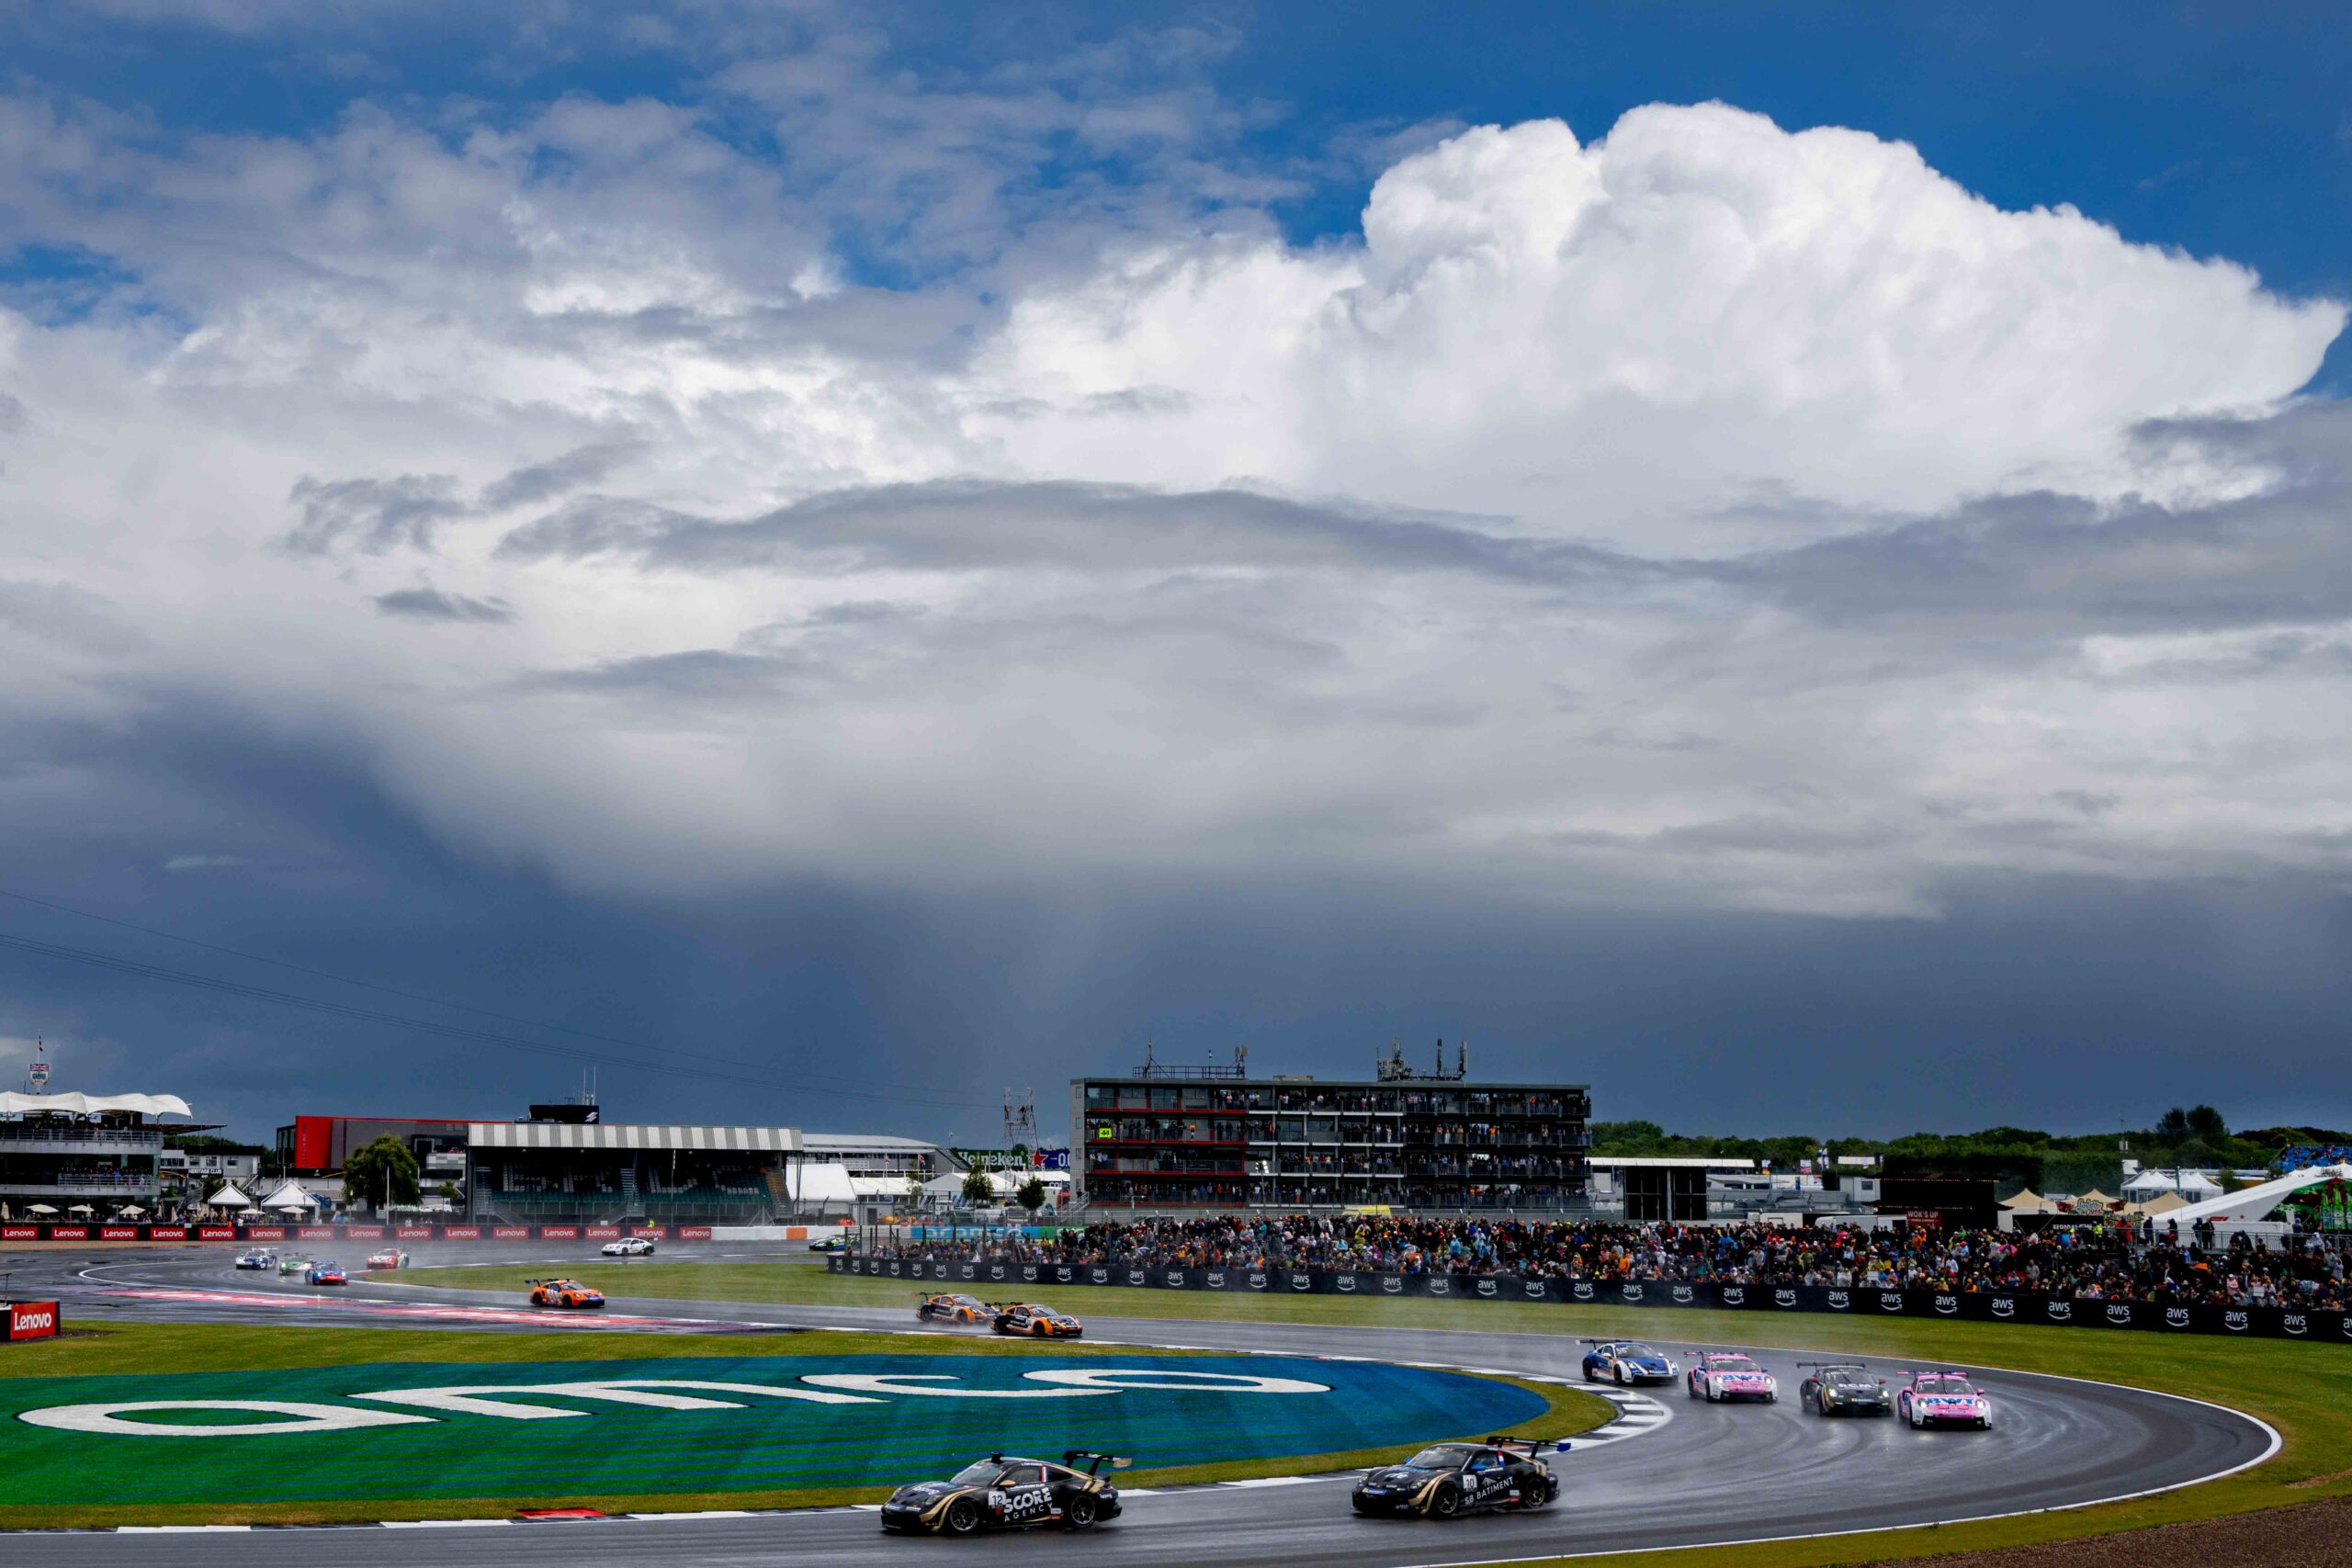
2333,1324
33,1320
246,1235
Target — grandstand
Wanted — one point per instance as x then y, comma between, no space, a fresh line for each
561,1173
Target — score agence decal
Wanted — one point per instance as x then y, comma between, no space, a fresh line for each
511,1402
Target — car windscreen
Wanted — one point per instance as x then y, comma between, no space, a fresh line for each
1444,1457
983,1475
1638,1353
1733,1364
1944,1385
1845,1377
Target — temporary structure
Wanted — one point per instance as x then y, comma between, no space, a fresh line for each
81,1209
288,1197
2030,1203
231,1196
38,1209
2095,1196
2161,1203
130,1211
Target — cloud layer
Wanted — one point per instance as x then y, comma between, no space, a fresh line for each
966,481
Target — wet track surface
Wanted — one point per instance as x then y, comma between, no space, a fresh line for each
1708,1474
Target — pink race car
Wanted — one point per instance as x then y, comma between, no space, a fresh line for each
1944,1399
1719,1375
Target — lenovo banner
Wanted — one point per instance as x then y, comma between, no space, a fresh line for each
511,1233
19,1233
32,1320
260,1232
461,1233
559,1232
68,1232
1978,1306
216,1233
694,1233
316,1232
166,1232
413,1232
603,1233
118,1233
364,1233
653,1232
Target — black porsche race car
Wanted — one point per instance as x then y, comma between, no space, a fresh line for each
1448,1479
1843,1388
1001,1492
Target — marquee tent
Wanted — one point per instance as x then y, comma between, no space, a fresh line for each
231,1196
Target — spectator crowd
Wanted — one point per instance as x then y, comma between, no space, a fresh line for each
2104,1261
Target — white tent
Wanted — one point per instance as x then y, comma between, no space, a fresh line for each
38,1209
288,1197
2256,1202
827,1182
230,1197
2189,1184
14,1104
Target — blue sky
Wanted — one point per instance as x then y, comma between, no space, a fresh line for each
959,542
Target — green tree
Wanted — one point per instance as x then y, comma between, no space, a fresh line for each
1032,1195
977,1186
2205,1124
380,1174
448,1192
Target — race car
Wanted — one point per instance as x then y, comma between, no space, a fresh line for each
1719,1375
390,1258
1843,1388
950,1307
1627,1362
836,1243
629,1247
1001,1493
1035,1321
563,1293
325,1273
1448,1479
1944,1399
293,1263
259,1257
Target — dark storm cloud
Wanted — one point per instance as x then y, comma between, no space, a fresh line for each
576,470
62,615
2054,566
432,604
369,516
972,525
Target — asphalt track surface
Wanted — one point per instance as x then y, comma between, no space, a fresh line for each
1710,1475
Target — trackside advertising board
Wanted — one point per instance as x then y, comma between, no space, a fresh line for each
31,1230
1974,1306
33,1320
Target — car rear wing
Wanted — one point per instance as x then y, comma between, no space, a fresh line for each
1533,1445
1828,1366
1092,1463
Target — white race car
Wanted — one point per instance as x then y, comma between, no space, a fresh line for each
259,1257
1719,1376
629,1247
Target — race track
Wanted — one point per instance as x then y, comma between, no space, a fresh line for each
1707,1475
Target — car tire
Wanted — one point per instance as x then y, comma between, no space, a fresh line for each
1445,1502
1536,1497
1588,1374
1080,1515
1623,1380
963,1518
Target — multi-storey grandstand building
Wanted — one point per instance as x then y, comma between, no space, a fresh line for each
1169,1137
84,1154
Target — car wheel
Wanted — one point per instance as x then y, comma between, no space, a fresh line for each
1446,1503
963,1517
1589,1376
1080,1515
1621,1379
1533,1497
1690,1387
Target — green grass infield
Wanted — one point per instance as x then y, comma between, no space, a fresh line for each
2302,1389
767,1450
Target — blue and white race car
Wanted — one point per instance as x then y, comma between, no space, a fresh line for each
1627,1362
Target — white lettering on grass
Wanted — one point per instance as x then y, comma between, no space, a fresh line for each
1111,1379
491,1399
914,1383
107,1420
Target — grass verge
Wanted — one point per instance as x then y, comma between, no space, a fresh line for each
2298,1387
134,1349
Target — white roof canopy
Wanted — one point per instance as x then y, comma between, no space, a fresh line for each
14,1104
231,1196
289,1195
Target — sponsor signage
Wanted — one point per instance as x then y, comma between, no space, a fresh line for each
657,1233
32,1320
118,1233
461,1233
364,1233
602,1233
412,1233
264,1233
19,1233
216,1233
316,1233
702,1232
559,1232
68,1232
511,1233
1966,1305
167,1233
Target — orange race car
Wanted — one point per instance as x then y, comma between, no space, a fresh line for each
951,1308
1037,1321
563,1293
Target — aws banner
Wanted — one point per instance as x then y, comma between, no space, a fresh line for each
2265,1322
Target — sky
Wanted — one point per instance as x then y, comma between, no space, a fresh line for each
822,564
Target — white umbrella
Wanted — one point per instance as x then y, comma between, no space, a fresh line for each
128,1212
81,1209
38,1209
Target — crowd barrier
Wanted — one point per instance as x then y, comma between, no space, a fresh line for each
1982,1306
16,1232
